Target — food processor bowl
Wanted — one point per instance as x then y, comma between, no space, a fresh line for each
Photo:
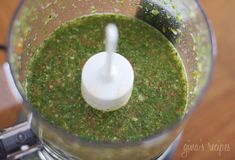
183,22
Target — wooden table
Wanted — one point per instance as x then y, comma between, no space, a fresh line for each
212,123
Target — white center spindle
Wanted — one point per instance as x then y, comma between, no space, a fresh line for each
110,47
107,77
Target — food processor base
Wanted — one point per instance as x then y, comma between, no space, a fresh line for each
28,147
44,154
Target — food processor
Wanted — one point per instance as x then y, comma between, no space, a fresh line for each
183,22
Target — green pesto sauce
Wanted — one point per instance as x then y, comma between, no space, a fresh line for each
160,89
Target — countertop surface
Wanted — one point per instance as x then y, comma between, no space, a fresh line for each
210,131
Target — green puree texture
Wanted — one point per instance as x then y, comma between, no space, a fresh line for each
160,88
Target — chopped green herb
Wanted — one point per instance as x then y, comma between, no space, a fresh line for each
160,89
155,12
